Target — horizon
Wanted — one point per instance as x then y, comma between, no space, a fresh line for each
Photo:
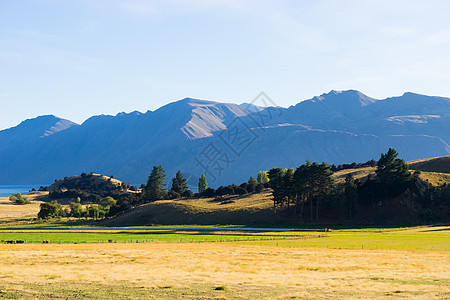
76,59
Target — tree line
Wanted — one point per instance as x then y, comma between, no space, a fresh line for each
312,187
306,192
156,188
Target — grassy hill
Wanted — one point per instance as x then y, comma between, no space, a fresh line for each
435,164
244,210
87,182
434,170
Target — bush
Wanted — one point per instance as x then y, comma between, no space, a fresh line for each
173,195
259,188
48,211
188,194
240,191
107,202
209,193
19,199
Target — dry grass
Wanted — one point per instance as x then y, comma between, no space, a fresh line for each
9,211
359,173
435,164
247,209
435,179
172,270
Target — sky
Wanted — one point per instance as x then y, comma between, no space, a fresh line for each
79,58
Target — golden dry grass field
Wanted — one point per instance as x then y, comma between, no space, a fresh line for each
245,270
10,211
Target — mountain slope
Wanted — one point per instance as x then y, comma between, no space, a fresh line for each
227,142
33,129
111,144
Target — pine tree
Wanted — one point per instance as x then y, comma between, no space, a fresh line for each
276,183
156,187
323,183
350,195
202,184
302,186
288,186
179,183
392,173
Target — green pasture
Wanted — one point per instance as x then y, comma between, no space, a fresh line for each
420,239
55,236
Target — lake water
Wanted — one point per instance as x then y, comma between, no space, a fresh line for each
8,190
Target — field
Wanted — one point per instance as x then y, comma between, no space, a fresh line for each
363,263
9,211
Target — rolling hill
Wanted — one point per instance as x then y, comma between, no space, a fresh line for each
436,164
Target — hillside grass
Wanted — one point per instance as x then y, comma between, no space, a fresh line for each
237,210
435,164
435,179
358,173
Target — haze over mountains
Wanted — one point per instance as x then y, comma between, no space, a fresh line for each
227,142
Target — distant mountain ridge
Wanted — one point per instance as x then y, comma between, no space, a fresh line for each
228,142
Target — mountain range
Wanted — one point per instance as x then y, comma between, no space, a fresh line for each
228,142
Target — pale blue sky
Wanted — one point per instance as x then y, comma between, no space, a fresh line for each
78,58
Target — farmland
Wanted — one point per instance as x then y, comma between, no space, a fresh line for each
349,263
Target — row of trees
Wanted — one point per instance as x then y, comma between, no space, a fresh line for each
105,208
312,184
309,183
156,188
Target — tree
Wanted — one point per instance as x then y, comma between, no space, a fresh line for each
76,210
202,184
302,186
276,183
263,177
19,199
209,192
312,181
93,211
179,184
350,194
259,188
48,210
288,187
323,183
252,180
107,202
392,173
156,187
250,186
